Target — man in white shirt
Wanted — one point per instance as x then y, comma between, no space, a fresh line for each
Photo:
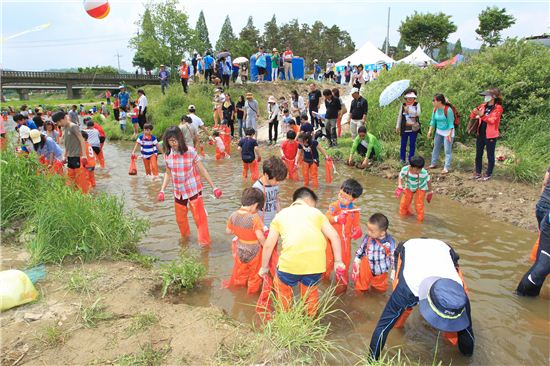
287,58
142,108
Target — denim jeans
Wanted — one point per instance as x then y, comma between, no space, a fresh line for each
409,137
241,127
448,146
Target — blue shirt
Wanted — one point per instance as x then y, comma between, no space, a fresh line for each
260,60
306,127
163,75
30,124
247,145
441,121
148,145
123,98
50,147
208,61
379,253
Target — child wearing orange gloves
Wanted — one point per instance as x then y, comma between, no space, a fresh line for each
414,181
248,228
344,217
374,258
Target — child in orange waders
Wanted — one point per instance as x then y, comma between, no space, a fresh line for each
225,134
220,146
183,166
308,153
374,258
75,151
344,217
248,228
149,150
51,155
100,158
289,150
90,155
294,127
415,181
250,154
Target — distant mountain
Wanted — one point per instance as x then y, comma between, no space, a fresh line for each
71,69
451,46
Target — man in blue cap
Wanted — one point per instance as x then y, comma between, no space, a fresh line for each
427,274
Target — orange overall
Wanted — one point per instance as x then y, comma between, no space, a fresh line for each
310,171
285,295
226,137
345,231
254,172
199,216
151,166
56,165
367,280
418,203
90,166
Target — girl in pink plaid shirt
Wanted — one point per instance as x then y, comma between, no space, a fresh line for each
183,167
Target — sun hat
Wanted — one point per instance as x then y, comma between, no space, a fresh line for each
191,107
249,95
410,95
35,136
182,60
272,99
275,50
443,304
487,92
354,90
24,132
161,65
315,60
122,87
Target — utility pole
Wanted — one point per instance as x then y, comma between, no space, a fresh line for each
388,32
118,56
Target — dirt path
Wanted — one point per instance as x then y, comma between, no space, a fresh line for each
139,325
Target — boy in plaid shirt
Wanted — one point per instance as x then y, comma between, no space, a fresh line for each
374,258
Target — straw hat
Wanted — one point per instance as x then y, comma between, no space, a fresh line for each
272,99
249,96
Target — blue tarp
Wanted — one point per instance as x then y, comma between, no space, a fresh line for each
298,68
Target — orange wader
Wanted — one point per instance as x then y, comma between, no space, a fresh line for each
79,177
90,156
219,154
199,216
309,171
151,165
100,157
533,256
291,168
345,232
418,203
367,280
245,274
284,295
329,166
226,137
339,126
254,172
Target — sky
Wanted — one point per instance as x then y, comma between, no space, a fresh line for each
74,39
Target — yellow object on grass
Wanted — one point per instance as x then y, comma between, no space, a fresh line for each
16,289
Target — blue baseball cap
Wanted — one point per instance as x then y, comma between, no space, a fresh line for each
443,304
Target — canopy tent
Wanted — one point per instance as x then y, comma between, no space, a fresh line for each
418,58
369,56
450,62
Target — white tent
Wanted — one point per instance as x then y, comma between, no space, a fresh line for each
418,58
366,55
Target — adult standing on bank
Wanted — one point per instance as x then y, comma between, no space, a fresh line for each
333,107
408,125
184,75
358,112
123,97
261,64
287,58
275,64
142,108
194,63
164,77
487,116
251,109
108,96
208,66
442,122
427,274
273,119
313,99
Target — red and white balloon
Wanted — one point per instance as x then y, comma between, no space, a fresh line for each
98,9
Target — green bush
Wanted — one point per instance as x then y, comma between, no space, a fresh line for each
516,67
181,274
61,221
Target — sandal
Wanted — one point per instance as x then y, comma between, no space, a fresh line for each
444,171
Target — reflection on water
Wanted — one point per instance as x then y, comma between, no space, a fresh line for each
509,330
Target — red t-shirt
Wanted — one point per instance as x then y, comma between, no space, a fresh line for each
290,149
99,129
287,56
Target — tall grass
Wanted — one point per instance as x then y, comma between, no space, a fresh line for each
63,222
516,67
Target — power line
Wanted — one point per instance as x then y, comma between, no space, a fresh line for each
118,56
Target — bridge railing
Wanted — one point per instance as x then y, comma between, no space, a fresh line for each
73,76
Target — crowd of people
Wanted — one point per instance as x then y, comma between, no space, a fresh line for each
430,276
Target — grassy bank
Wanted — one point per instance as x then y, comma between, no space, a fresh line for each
517,68
59,222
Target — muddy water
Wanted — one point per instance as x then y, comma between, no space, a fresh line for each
509,330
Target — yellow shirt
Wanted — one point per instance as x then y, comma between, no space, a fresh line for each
304,245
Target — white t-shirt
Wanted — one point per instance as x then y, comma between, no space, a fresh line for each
142,102
197,122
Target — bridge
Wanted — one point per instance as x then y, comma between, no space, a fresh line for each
73,82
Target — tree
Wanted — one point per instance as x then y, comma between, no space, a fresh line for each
202,40
227,39
249,39
491,22
457,50
270,38
443,51
98,70
145,43
426,30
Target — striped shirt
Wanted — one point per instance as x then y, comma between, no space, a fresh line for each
185,174
415,181
379,252
93,137
148,145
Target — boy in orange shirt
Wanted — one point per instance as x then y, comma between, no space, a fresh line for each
248,228
289,150
90,156
344,217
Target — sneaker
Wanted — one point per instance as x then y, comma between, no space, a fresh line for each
485,178
476,176
403,162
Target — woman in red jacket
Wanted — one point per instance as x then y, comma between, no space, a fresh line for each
488,114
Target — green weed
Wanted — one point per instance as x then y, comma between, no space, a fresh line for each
147,356
142,322
183,273
143,260
81,283
93,314
52,336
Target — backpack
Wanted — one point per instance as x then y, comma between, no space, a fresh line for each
455,112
